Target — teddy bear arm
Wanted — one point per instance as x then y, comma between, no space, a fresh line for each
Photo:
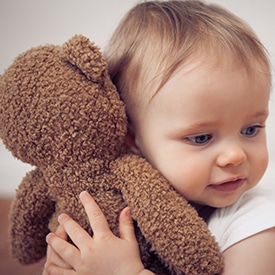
28,218
172,226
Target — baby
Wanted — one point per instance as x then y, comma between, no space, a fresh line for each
196,82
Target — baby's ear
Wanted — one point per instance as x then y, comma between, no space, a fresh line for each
130,142
79,51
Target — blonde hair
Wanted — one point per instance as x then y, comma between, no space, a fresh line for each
156,37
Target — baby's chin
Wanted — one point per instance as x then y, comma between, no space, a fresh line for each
219,203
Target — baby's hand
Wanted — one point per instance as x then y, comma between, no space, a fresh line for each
101,254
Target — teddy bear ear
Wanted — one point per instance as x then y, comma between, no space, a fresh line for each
79,51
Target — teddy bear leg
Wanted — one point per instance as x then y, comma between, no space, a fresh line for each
28,219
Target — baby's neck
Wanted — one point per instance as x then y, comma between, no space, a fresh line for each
204,211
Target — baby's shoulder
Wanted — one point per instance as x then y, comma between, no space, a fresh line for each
251,214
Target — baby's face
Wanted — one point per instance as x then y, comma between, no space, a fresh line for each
205,131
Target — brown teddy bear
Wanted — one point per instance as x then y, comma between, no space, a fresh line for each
60,112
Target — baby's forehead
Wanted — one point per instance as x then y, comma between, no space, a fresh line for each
201,84
152,79
210,60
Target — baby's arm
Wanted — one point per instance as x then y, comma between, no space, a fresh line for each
103,253
252,256
106,254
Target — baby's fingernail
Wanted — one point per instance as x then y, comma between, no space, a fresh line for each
48,237
83,194
128,212
61,217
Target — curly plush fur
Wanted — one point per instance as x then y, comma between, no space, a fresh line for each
60,112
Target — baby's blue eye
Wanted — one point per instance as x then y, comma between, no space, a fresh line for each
251,131
199,140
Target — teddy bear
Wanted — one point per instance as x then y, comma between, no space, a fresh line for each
61,113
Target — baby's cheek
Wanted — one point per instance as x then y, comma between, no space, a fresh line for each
260,163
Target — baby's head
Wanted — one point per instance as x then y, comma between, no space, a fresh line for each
196,83
156,37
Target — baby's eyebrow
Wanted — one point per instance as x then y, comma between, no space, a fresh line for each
193,127
211,123
202,124
263,113
259,115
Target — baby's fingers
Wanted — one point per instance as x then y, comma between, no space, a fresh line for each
78,235
52,256
62,249
61,233
97,219
126,226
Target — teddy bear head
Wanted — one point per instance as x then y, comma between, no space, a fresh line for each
58,104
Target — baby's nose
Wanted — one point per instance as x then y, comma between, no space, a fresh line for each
232,154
